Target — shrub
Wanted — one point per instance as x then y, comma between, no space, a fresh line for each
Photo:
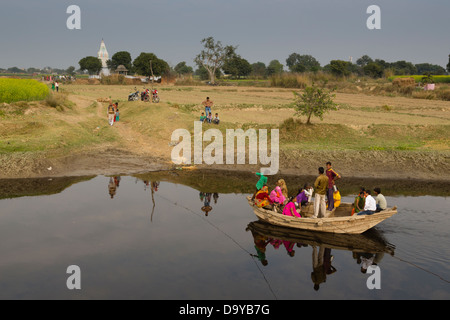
289,80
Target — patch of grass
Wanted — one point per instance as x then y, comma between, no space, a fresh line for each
295,134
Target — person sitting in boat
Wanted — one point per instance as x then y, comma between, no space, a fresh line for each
282,184
380,200
302,196
337,198
290,210
309,191
261,182
370,205
359,203
277,198
262,199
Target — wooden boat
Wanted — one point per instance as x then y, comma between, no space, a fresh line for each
339,220
371,241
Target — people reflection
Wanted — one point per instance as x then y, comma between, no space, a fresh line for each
261,243
112,186
321,266
205,197
206,204
367,259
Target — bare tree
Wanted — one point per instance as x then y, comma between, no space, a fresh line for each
213,56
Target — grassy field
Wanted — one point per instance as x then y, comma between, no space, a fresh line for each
361,123
371,124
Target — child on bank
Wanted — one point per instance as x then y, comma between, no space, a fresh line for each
216,119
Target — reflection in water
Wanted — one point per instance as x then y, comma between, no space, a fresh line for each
205,197
154,185
367,259
367,248
124,254
113,185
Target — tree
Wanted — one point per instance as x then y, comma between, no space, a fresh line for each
274,67
120,58
373,70
182,68
302,63
92,64
448,64
213,56
340,68
259,70
424,68
237,66
142,65
364,60
314,101
204,74
403,68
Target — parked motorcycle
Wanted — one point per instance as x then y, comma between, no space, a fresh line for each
134,96
155,97
145,96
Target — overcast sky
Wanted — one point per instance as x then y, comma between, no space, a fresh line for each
34,33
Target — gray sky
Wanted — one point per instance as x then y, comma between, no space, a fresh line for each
34,33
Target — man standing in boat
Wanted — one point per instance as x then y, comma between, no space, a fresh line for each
320,185
332,177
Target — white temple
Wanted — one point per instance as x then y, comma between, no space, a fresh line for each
103,56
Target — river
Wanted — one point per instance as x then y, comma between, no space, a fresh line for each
150,236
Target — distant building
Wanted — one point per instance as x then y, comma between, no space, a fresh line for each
122,70
104,57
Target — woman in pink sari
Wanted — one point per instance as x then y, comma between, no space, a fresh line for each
276,196
290,210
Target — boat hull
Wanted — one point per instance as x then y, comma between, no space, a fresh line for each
343,224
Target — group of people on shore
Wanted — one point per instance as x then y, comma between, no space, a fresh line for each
327,196
207,115
55,86
113,113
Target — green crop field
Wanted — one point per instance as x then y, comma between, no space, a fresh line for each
12,90
418,78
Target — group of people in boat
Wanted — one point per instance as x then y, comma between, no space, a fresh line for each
327,196
365,203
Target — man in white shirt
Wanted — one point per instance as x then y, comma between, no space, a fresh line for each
370,205
380,200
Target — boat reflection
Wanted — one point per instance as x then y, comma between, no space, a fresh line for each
367,248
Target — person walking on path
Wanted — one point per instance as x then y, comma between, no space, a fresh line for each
111,114
332,177
320,186
208,105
